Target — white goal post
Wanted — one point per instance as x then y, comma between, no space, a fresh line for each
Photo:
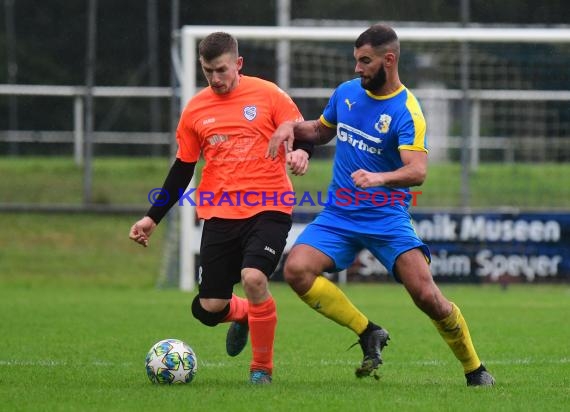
190,35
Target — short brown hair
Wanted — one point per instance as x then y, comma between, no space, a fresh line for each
216,44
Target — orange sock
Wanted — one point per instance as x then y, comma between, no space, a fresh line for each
238,310
262,323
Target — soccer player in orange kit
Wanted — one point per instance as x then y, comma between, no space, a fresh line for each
246,226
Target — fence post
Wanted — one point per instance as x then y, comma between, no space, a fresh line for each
78,129
475,133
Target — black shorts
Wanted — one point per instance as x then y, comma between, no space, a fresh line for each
229,245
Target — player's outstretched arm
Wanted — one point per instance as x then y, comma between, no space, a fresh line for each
174,185
312,131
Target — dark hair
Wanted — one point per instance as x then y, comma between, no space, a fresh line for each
378,35
216,44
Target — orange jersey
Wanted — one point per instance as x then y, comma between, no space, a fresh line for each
232,132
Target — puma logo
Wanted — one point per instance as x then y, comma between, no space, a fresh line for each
349,104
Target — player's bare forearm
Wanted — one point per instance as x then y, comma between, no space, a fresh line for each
313,131
412,173
406,176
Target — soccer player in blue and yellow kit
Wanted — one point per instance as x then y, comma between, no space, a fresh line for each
381,149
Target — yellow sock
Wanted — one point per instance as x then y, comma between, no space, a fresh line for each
453,329
326,298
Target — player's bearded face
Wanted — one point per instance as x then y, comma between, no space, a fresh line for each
375,82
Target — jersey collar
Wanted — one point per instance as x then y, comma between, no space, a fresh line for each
388,96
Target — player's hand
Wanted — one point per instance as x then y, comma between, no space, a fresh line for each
283,134
141,230
364,179
298,162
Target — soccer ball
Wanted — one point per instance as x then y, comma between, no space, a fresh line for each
171,361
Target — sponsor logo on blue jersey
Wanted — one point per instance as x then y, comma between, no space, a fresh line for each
358,139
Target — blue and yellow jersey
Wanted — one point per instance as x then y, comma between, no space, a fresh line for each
371,131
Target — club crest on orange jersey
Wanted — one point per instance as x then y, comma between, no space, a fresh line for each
250,112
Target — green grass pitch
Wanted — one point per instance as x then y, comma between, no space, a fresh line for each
79,310
70,347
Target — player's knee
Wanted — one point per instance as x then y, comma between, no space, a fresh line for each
294,271
206,317
254,281
299,276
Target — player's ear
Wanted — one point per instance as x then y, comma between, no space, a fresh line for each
239,63
390,59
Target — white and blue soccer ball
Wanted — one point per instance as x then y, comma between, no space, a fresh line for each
171,361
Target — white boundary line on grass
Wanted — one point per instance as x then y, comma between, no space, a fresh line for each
322,362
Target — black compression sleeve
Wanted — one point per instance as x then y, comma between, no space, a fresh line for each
306,146
173,187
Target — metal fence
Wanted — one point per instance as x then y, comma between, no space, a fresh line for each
518,114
